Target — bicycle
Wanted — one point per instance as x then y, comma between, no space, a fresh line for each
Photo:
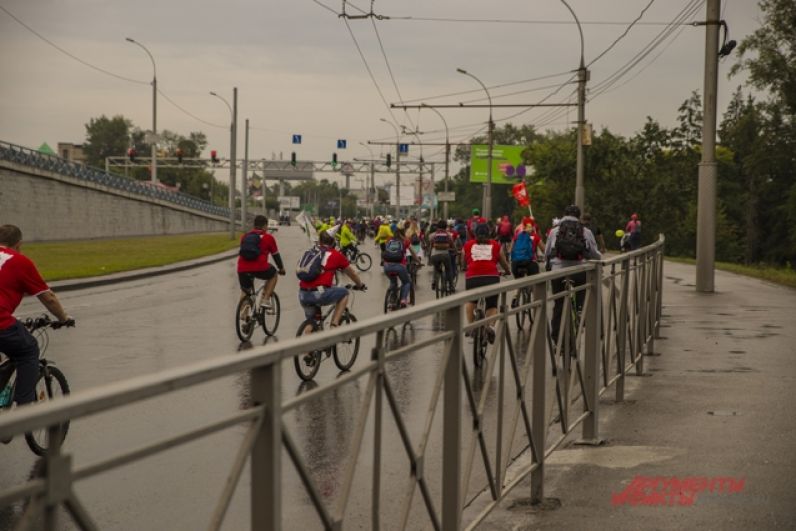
249,314
523,298
479,335
361,260
344,353
50,383
441,285
392,298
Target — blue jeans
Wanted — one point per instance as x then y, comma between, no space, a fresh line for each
312,300
403,274
23,350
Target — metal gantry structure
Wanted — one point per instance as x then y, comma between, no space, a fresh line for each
592,350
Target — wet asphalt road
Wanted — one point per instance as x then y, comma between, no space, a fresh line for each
141,327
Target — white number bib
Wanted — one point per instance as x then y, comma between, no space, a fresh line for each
480,252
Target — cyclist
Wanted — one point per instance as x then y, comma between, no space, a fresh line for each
319,291
394,259
569,244
19,277
524,247
505,229
482,256
473,221
441,243
348,241
633,228
256,246
384,234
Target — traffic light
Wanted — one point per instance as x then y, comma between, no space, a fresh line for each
389,159
178,152
293,158
214,156
334,158
131,154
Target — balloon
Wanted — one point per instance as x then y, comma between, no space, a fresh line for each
619,233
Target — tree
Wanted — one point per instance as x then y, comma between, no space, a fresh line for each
106,137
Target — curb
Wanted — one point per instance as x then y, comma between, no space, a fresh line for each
91,282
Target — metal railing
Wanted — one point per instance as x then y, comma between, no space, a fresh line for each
53,163
593,348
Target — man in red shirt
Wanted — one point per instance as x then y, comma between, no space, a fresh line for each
19,277
320,292
473,222
248,270
482,256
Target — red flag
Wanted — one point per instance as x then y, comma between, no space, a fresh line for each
520,193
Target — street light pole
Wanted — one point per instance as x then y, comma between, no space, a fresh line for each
447,157
487,206
245,177
397,168
419,185
154,109
372,187
583,77
706,198
232,129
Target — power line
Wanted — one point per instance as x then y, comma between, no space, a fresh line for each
389,69
69,54
168,99
622,36
510,21
326,7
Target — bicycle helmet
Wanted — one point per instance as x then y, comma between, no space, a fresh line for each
572,210
481,230
476,212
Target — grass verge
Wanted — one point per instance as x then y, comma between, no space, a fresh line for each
90,258
785,276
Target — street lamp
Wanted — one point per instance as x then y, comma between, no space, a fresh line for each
447,156
397,167
487,206
419,195
583,77
232,162
154,109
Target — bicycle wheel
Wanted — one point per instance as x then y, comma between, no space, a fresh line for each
479,341
523,317
439,282
50,385
307,363
269,317
345,352
245,319
363,262
391,302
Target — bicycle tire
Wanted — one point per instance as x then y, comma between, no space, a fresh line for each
307,368
363,262
38,441
391,300
439,282
345,353
479,341
525,316
270,321
245,320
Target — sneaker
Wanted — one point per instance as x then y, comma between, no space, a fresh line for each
490,334
403,305
309,359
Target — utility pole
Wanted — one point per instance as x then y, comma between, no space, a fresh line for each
232,162
264,190
398,180
580,191
372,193
245,178
708,169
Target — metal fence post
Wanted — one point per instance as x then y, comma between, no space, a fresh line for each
652,305
621,331
593,323
638,338
659,302
452,425
539,409
266,461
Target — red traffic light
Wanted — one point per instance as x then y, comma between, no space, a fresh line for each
214,156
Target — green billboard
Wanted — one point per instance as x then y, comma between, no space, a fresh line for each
507,164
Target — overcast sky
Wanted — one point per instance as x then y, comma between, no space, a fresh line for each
298,70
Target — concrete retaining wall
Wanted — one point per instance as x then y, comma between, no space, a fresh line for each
51,206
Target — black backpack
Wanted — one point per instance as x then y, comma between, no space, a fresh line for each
570,240
393,251
250,246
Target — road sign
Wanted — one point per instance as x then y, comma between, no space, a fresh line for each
446,196
297,139
341,143
403,148
287,202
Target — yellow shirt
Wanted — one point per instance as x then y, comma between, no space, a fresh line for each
384,234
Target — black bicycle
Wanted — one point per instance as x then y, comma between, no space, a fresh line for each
344,353
361,260
479,335
249,314
50,384
392,298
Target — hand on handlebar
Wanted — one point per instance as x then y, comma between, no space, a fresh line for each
361,287
69,323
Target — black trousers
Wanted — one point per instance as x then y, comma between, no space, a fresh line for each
558,286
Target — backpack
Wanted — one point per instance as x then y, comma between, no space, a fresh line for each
505,228
393,250
570,241
310,265
250,246
522,250
441,237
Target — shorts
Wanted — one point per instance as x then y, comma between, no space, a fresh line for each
524,267
504,239
246,280
480,282
311,301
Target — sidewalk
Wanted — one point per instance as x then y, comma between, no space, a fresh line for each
81,283
719,402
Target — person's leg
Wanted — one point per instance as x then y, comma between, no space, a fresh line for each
491,309
406,284
339,297
580,297
270,285
558,286
246,282
23,350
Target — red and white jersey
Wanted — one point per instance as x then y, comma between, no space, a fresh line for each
18,277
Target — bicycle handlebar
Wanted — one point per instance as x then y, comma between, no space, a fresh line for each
354,287
43,321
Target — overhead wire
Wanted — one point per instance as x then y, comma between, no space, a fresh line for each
623,35
514,21
389,70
